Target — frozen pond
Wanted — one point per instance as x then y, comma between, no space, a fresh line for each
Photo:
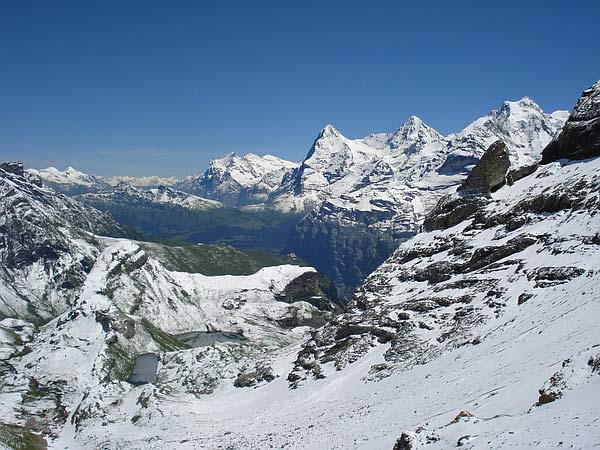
144,369
208,338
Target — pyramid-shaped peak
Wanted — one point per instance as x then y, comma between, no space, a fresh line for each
329,131
414,129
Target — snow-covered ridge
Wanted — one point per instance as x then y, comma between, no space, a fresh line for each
124,193
389,167
142,182
239,180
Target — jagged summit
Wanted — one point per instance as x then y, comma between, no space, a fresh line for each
328,131
523,103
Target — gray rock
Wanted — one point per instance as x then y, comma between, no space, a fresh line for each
13,167
580,136
490,172
488,175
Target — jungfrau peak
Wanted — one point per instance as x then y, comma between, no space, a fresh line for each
521,124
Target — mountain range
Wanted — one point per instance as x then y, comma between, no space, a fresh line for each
344,208
478,330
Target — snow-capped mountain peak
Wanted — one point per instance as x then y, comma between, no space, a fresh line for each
329,131
413,135
521,124
239,180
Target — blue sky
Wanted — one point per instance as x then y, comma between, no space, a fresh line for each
149,87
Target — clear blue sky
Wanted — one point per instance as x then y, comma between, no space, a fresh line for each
149,87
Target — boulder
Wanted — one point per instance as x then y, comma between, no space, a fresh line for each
488,175
490,172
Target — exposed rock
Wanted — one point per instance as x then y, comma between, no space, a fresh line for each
551,276
344,245
523,298
580,136
594,363
262,372
484,256
404,442
490,172
309,287
462,415
488,175
453,209
13,167
521,172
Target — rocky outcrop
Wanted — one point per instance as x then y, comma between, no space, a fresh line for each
15,168
344,245
489,174
310,287
453,209
580,136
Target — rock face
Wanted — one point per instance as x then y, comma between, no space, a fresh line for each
346,251
580,136
15,168
490,172
487,176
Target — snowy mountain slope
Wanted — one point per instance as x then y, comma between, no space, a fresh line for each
496,381
130,305
416,348
529,237
122,302
239,180
46,245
